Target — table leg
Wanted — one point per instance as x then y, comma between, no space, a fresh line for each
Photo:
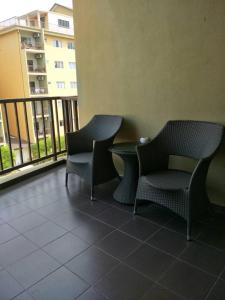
126,190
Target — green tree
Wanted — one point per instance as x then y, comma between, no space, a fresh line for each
6,160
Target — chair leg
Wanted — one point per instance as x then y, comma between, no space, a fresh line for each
135,207
188,229
66,179
92,193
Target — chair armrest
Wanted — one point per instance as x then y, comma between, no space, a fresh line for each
199,175
100,147
151,158
78,142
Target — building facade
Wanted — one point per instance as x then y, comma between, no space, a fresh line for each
37,58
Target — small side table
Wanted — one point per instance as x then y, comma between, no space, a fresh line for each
126,190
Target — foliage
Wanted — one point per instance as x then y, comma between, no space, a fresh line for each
5,151
6,160
34,147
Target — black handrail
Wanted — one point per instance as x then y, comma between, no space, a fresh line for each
37,136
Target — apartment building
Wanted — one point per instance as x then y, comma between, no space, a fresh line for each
37,58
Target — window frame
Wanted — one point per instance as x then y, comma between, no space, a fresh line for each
60,85
63,23
57,43
59,64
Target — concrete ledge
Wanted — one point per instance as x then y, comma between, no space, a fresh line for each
20,175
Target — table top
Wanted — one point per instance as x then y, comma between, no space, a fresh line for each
124,148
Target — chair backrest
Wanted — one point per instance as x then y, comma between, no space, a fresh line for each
195,139
103,126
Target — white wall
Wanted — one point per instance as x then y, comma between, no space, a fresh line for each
53,23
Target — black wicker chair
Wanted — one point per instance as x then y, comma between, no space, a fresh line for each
182,192
88,154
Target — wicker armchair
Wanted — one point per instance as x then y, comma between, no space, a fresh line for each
87,150
182,192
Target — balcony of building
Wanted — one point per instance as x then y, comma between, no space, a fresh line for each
42,20
38,84
36,63
150,62
31,41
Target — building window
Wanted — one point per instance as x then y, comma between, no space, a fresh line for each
63,23
26,39
73,84
61,123
72,65
57,43
60,84
71,45
58,64
30,64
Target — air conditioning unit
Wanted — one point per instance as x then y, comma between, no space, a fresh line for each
38,55
36,35
40,78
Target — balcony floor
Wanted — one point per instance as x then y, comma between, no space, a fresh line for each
57,244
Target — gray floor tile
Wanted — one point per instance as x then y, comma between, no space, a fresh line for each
28,222
207,258
150,261
23,296
155,213
118,244
188,281
179,225
9,288
40,200
6,201
223,275
62,284
32,268
123,283
169,241
70,219
94,208
114,216
14,250
218,291
53,209
45,233
92,264
29,205
91,294
139,228
7,233
92,230
66,247
159,293
213,237
13,212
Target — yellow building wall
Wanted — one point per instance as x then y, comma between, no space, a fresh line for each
13,80
152,61
65,74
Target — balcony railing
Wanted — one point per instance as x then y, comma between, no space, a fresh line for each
34,24
34,46
31,139
36,70
38,91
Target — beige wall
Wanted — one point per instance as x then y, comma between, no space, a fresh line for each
65,74
11,81
152,61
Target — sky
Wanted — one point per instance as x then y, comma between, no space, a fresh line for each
12,8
